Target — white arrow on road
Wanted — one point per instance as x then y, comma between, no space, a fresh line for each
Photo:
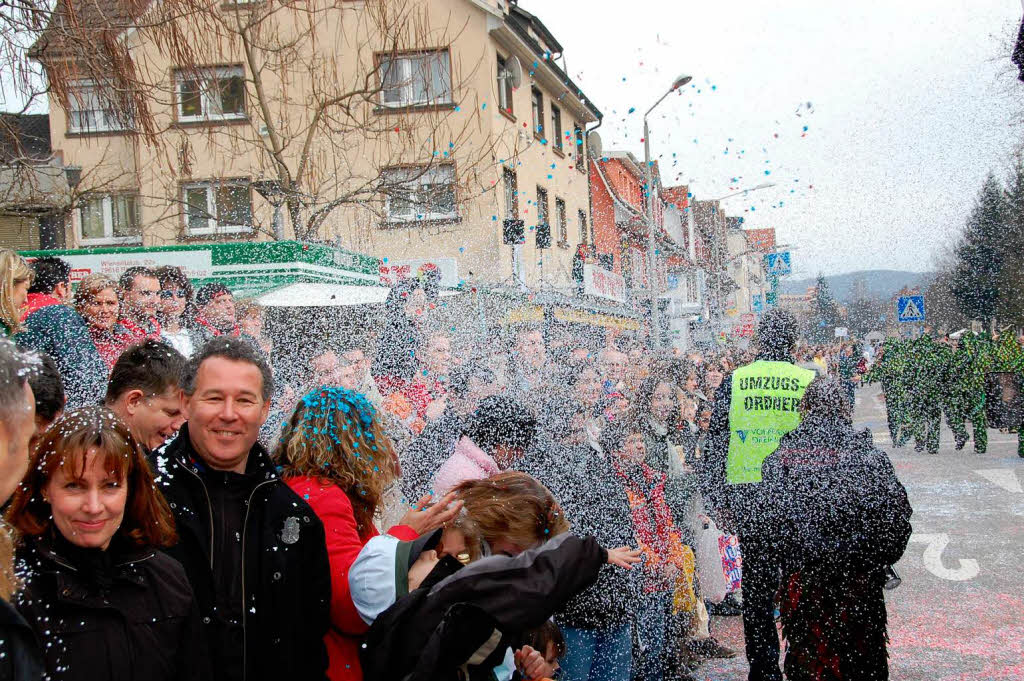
936,544
1004,477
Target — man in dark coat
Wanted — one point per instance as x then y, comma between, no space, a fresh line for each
254,551
54,328
841,517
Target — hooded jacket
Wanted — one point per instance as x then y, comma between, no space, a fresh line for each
60,332
123,613
284,574
461,626
468,462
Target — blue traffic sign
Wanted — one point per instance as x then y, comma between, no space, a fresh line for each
757,302
777,264
910,309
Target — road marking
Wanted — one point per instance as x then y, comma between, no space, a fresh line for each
936,544
1003,477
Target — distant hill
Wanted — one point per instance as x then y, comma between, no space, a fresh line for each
880,283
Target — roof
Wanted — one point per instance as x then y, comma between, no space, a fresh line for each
521,21
24,137
71,20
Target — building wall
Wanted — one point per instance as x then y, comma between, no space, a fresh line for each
475,135
19,232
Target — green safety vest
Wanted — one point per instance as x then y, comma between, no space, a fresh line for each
765,401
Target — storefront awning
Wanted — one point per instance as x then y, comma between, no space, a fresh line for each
323,295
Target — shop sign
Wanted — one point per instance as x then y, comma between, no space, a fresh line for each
394,271
602,283
576,316
528,314
196,264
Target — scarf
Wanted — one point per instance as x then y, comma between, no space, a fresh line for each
206,324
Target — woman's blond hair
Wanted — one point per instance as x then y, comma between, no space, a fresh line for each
89,287
335,435
512,506
13,271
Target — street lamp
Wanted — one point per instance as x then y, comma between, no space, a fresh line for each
679,82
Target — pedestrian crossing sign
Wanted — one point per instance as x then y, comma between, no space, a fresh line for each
777,264
910,309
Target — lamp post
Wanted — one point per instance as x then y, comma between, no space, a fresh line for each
652,196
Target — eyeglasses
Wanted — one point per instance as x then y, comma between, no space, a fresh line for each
171,293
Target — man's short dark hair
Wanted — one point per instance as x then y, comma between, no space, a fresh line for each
501,420
208,292
152,367
14,371
778,331
459,378
49,273
48,388
231,348
127,280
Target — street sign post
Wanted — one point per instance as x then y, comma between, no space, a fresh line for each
778,264
910,309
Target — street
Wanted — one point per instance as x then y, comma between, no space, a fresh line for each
959,613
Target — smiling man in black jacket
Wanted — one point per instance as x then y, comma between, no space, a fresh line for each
253,550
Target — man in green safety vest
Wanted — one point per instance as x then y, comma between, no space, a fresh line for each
754,408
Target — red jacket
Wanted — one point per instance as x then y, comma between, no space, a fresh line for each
344,542
110,344
652,521
37,301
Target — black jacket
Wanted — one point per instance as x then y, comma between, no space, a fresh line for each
424,456
835,500
122,614
468,619
285,575
594,502
61,333
20,656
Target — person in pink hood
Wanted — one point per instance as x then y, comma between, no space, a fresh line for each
497,437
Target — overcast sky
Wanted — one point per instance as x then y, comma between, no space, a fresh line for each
911,103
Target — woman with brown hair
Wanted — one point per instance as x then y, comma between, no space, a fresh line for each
96,300
177,305
335,455
473,590
103,599
15,278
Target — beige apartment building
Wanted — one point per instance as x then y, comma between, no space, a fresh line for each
409,130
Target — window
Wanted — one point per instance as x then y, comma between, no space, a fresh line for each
89,110
556,127
421,193
563,223
538,112
217,207
109,219
504,85
415,79
578,152
511,183
543,235
582,217
215,94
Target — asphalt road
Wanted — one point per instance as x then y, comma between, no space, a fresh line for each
959,614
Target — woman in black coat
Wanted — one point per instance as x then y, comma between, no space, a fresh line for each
103,599
841,517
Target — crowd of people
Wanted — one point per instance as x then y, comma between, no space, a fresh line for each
188,499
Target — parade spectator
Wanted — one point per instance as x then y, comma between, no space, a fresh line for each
533,378
714,373
668,577
20,655
253,549
358,364
145,392
498,436
468,385
840,517
105,601
139,292
53,327
48,391
405,310
336,456
15,279
470,619
177,308
216,314
614,367
251,323
96,301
